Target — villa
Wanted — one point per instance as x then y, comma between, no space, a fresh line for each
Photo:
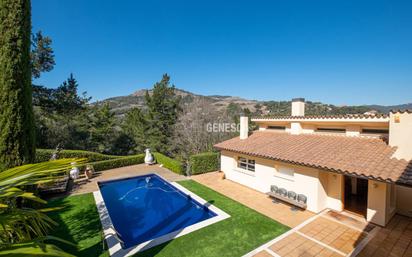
355,163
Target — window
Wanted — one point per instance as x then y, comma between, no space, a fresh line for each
276,127
375,131
246,164
333,130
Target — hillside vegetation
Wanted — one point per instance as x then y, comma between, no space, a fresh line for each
121,104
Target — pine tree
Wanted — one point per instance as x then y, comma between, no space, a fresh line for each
135,127
67,99
16,112
42,55
102,131
163,109
154,127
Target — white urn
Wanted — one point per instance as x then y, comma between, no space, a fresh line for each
148,159
74,172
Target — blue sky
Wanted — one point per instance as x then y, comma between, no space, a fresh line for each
339,51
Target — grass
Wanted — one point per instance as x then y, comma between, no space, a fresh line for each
78,223
245,230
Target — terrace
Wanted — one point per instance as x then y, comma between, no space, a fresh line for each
262,228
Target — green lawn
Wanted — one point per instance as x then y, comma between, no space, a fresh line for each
79,223
242,232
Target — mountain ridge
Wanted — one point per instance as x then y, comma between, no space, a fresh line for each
121,104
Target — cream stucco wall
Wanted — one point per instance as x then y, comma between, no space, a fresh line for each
311,182
323,189
295,128
353,131
335,191
379,211
400,134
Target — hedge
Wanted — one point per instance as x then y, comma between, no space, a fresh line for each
104,162
43,155
169,163
117,163
204,162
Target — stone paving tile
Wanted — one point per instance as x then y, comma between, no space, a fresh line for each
258,201
394,240
337,230
86,186
338,236
360,223
297,245
262,254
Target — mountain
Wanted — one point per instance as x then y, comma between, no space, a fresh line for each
121,104
386,109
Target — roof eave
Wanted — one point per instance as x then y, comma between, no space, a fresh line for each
338,171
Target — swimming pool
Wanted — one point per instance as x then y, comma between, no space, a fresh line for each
147,210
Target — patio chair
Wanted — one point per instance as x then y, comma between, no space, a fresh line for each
274,189
283,192
292,195
302,198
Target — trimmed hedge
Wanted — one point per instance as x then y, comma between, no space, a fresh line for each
204,162
102,162
169,163
117,163
43,155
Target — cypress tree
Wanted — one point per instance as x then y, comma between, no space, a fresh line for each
16,112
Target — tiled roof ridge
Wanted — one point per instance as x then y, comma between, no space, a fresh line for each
333,116
401,111
325,134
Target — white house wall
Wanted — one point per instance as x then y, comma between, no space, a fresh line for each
305,180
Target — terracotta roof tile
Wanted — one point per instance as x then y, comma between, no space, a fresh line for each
337,116
364,157
401,111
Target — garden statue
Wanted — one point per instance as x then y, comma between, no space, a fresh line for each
148,159
74,172
88,172
56,153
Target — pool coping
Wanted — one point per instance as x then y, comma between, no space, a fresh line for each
113,242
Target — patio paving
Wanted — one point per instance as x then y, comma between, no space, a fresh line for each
258,201
87,186
394,240
326,234
329,233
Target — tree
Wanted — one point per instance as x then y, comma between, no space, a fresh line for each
154,127
162,114
62,116
102,129
67,99
16,113
42,55
135,126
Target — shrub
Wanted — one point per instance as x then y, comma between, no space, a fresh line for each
117,163
169,163
43,155
204,162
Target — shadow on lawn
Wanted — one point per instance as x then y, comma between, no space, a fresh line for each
76,225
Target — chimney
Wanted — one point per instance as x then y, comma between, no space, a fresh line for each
400,133
244,127
298,107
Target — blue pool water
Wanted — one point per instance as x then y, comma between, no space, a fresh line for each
146,207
